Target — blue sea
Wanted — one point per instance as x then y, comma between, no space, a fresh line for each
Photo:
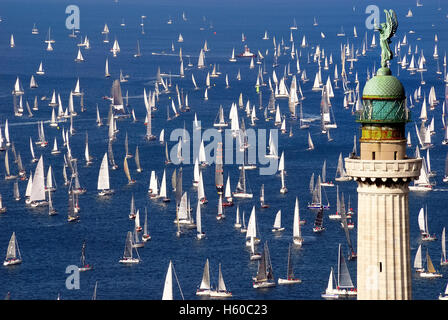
49,243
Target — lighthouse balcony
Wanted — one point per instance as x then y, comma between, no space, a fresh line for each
405,169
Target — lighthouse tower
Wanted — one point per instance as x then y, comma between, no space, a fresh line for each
383,172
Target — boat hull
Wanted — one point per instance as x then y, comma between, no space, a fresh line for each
263,284
129,260
12,262
288,281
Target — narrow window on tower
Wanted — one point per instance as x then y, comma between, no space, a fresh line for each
381,266
373,155
395,155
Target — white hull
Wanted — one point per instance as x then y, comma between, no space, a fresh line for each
288,281
106,192
220,294
243,195
255,256
248,167
12,262
85,268
420,188
342,179
203,292
327,184
429,275
129,260
264,284
298,242
200,236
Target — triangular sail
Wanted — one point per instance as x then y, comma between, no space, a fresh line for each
344,279
103,177
205,283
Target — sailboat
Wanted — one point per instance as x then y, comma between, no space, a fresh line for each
221,290
423,225
290,278
278,222
265,275
418,260
318,222
37,197
199,233
137,160
79,57
137,228
422,183
220,215
310,143
205,287
324,181
128,250
8,175
168,286
345,287
163,191
241,188
317,202
145,235
126,171
2,207
103,178
138,54
430,271
341,174
11,41
72,213
443,259
296,233
228,194
330,290
263,204
444,296
283,189
237,223
84,266
34,30
251,233
13,255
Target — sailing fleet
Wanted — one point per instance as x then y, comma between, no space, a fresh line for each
284,106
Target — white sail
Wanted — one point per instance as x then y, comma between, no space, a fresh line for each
38,187
278,220
297,235
103,176
168,287
418,262
162,193
251,226
198,219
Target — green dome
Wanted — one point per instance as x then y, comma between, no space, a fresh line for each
384,86
384,100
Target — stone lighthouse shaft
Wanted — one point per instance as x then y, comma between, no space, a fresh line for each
383,172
